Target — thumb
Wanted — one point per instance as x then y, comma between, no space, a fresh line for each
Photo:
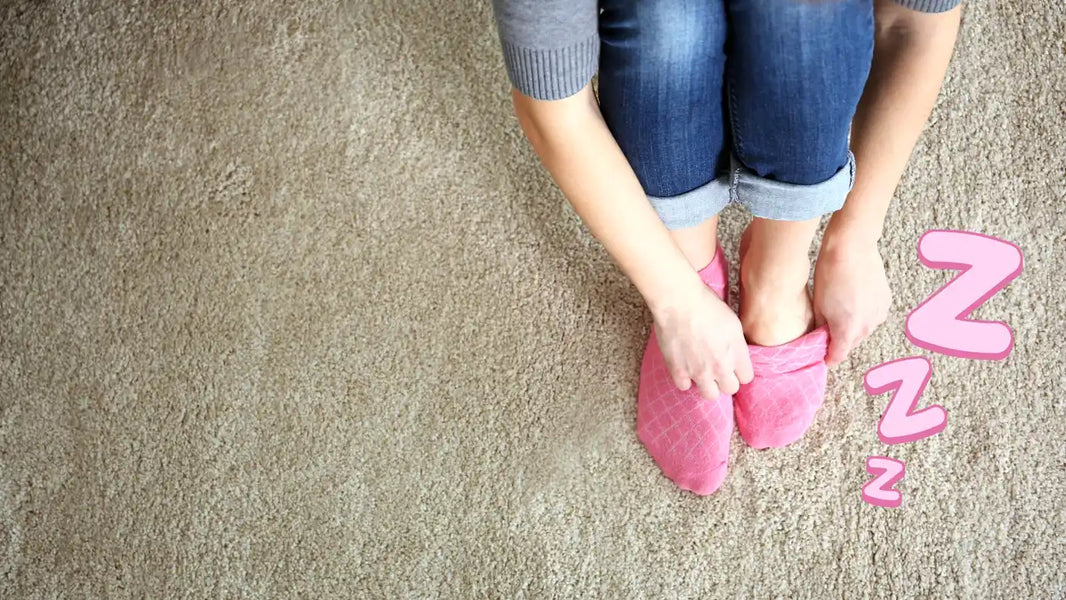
819,317
839,346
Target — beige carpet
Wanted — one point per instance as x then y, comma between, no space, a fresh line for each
289,309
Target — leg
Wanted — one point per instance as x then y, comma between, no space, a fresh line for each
698,243
775,306
661,71
795,74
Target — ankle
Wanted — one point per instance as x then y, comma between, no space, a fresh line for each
772,320
774,254
775,305
774,276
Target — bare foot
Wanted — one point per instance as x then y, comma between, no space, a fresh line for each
775,304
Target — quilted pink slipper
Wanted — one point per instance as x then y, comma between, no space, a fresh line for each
687,435
779,404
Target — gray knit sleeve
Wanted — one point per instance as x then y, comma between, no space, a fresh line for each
551,48
929,6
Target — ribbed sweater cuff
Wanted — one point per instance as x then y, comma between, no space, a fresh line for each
929,6
552,74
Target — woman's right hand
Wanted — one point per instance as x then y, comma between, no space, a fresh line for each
700,337
703,342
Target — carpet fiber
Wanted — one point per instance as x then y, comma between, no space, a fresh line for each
290,309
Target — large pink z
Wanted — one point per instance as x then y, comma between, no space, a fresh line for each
939,323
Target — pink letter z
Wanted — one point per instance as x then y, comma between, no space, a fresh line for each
939,323
879,491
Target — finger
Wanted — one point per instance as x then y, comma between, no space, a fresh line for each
838,351
681,380
742,366
863,334
707,386
819,318
839,347
728,383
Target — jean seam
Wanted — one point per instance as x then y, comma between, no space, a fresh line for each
737,140
734,184
851,170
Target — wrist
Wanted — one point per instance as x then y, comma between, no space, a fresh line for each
845,237
848,230
670,291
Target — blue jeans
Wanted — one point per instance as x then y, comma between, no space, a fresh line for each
749,101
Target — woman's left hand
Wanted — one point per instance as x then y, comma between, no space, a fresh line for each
851,293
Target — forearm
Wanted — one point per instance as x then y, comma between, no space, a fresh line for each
582,156
911,55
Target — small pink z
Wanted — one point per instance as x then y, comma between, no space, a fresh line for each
879,491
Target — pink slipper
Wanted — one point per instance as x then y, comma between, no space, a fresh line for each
687,435
779,404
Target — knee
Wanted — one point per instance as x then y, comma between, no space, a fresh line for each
795,86
803,149
801,165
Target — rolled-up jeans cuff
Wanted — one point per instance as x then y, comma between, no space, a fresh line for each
781,201
693,207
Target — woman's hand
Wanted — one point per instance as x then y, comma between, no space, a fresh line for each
851,292
700,337
701,340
